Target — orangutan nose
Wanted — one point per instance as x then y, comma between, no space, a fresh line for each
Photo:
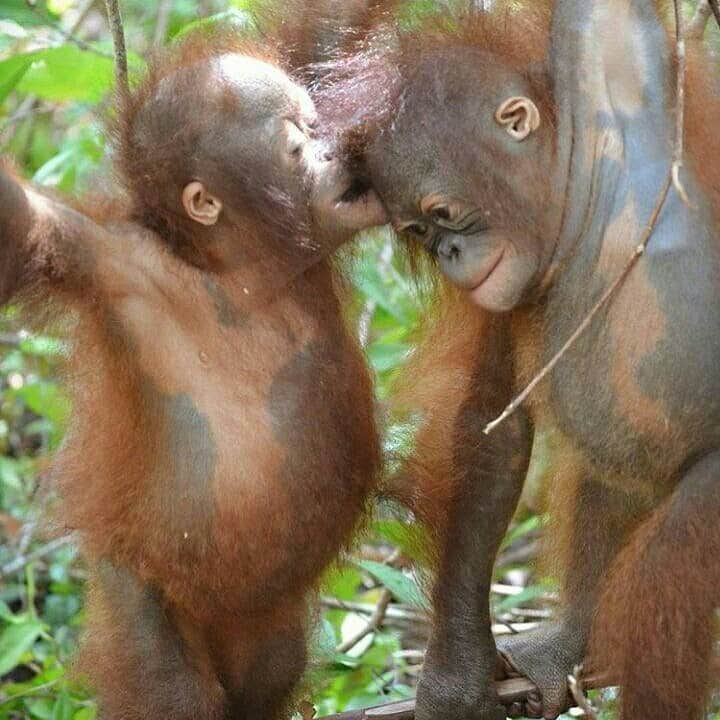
451,247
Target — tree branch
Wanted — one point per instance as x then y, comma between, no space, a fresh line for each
698,25
715,7
22,561
509,692
118,36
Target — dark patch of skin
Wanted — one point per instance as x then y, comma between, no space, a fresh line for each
155,661
274,673
182,490
228,314
138,611
324,431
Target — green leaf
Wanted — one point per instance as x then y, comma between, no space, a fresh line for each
522,529
11,72
402,587
529,594
41,709
410,538
387,356
68,73
86,713
324,640
15,641
46,399
233,18
20,12
63,709
10,473
341,582
43,346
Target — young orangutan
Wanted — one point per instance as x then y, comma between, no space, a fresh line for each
222,444
526,149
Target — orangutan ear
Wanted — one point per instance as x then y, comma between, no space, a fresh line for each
519,116
200,205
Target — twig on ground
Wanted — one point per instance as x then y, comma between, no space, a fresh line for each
673,179
509,692
393,612
575,684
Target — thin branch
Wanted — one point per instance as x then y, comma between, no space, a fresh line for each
715,7
576,687
11,339
118,36
22,561
68,36
696,29
375,621
162,22
394,612
509,692
587,321
81,16
680,102
672,179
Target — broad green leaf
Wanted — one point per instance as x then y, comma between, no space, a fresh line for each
10,473
86,713
19,11
341,582
63,709
46,399
15,641
324,640
402,587
41,709
68,73
12,71
410,538
233,18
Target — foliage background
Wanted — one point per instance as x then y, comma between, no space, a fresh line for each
56,71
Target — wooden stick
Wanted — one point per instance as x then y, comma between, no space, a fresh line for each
715,7
599,305
509,692
118,36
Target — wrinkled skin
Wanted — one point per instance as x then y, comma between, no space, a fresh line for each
535,230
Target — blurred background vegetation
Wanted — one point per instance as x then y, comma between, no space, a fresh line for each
56,71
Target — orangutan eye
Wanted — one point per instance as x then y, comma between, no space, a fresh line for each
296,141
417,229
441,213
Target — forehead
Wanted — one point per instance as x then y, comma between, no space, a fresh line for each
443,125
258,87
